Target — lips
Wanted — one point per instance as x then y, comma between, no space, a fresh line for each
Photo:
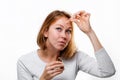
62,42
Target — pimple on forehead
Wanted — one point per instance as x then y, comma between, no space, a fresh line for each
64,22
68,23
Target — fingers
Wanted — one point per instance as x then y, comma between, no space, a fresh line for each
78,14
81,14
56,72
52,69
52,73
53,66
81,18
54,63
77,17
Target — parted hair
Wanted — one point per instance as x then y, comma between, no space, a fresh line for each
70,49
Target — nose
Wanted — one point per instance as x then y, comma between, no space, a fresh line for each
63,35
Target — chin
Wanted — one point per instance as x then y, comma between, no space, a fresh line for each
61,48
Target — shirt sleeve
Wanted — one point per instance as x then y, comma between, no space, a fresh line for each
102,66
22,72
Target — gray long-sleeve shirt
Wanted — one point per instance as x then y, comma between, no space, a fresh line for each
31,67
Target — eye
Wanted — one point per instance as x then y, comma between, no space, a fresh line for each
59,29
69,31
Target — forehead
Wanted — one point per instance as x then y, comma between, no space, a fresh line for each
63,21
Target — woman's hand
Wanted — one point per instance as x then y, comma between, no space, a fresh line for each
81,18
52,69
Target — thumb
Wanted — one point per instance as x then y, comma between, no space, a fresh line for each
77,21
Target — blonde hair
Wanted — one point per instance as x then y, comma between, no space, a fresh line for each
70,49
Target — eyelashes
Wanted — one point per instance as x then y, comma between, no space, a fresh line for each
67,31
59,29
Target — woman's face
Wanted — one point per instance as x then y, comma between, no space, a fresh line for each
59,34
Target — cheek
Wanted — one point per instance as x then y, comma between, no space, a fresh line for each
69,37
53,34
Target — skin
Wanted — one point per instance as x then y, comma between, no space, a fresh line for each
81,18
59,34
58,37
54,35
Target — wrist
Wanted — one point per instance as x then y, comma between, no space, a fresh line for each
90,32
42,78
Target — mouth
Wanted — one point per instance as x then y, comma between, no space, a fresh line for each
63,43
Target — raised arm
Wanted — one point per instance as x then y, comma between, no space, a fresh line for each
104,66
81,18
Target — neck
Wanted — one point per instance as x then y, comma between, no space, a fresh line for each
49,55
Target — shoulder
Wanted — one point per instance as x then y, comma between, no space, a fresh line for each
80,54
28,57
27,62
83,54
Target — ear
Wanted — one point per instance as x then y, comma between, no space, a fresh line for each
46,33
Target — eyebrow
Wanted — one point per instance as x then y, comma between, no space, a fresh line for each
63,26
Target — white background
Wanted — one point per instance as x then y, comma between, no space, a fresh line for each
20,21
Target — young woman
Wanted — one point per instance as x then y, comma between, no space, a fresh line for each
57,58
